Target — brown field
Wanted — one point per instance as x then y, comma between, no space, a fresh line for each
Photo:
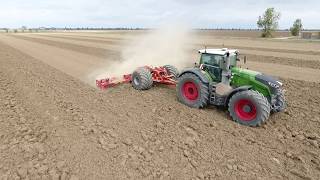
55,125
240,33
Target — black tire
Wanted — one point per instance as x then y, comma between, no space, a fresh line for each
142,79
280,104
196,86
172,70
249,108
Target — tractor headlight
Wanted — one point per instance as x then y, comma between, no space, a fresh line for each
274,85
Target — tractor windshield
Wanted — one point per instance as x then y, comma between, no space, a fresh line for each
216,60
211,59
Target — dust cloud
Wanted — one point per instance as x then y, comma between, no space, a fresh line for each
161,46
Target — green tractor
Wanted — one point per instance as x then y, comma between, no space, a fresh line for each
250,96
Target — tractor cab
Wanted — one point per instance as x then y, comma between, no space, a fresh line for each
214,61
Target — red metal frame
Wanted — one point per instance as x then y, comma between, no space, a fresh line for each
159,75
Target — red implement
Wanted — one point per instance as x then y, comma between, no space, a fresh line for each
159,75
111,82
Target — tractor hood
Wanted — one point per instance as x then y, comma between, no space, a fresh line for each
270,81
245,72
273,83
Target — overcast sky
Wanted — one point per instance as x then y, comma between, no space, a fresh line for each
152,13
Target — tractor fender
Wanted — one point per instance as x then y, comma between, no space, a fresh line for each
234,91
196,72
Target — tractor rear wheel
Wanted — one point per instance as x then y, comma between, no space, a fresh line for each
142,79
172,71
249,108
191,91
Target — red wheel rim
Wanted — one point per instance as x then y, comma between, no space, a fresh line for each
245,110
190,91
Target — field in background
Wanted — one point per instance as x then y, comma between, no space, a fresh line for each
225,33
241,33
54,123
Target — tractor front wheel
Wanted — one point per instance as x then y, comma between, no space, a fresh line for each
280,103
191,91
249,108
142,79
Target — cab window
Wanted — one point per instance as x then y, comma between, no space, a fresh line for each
210,59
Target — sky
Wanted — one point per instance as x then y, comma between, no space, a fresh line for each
154,13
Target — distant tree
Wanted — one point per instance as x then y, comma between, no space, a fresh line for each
296,27
268,22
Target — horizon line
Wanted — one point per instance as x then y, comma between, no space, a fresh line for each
139,28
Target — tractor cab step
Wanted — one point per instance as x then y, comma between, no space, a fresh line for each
216,98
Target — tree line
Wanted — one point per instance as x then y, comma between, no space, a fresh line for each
269,23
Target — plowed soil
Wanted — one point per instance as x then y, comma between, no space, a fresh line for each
55,125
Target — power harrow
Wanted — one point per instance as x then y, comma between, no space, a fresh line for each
143,78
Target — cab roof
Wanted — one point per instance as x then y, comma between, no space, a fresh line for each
222,51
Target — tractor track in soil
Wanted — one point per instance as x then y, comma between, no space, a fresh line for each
120,38
259,58
101,39
115,46
53,125
281,50
86,39
98,52
295,72
75,63
285,61
283,54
